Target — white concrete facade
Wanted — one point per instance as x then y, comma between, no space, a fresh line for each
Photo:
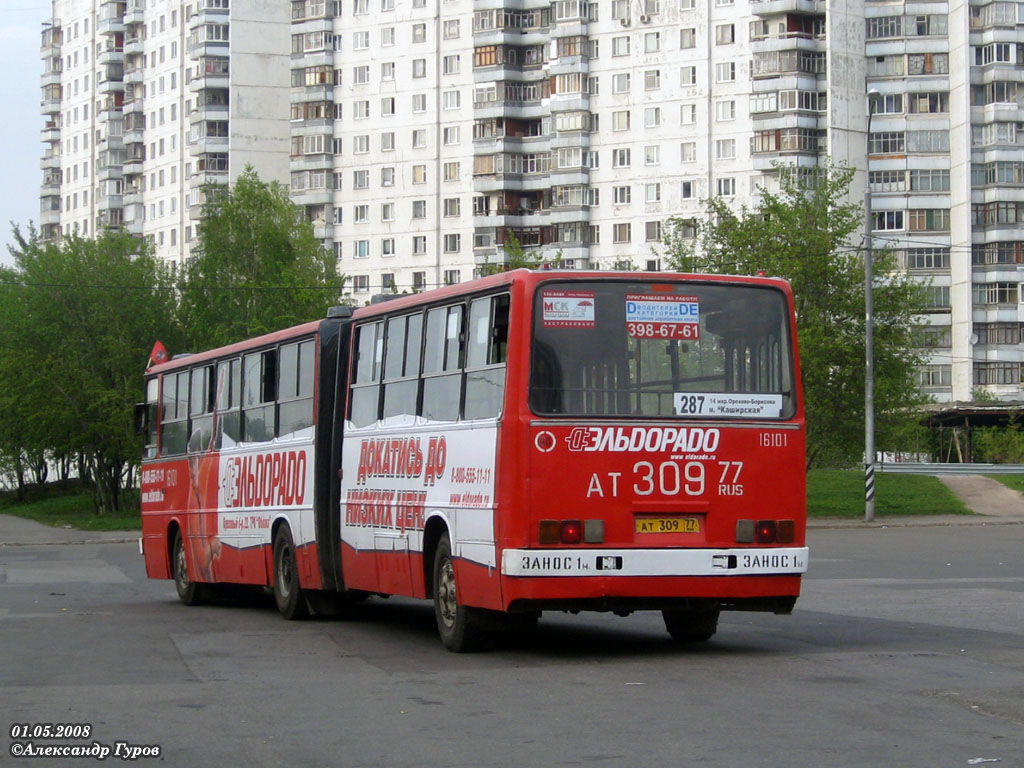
146,101
418,135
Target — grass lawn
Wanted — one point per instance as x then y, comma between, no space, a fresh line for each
72,510
1012,481
840,493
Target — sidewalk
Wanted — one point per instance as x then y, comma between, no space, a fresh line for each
991,501
18,531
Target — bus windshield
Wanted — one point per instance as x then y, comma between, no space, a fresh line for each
661,349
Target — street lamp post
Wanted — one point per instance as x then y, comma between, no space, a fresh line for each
869,331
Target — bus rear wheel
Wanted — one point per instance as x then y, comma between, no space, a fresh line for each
287,592
456,623
189,592
689,626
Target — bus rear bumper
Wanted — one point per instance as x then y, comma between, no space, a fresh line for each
775,561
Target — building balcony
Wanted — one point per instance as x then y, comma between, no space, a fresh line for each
323,231
51,186
203,48
318,196
110,202
135,12
312,93
132,105
133,45
134,76
107,87
132,167
49,218
208,144
50,133
50,41
50,78
110,26
778,7
132,197
133,136
110,172
50,162
111,56
320,162
203,178
205,81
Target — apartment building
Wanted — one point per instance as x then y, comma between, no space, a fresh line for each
420,136
147,102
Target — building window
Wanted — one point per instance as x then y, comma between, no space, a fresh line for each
419,138
452,243
725,110
652,117
361,249
652,193
725,34
419,245
652,79
688,75
621,195
419,209
688,152
886,221
387,106
452,206
451,171
688,37
419,33
362,214
620,158
725,72
387,246
387,212
726,186
725,149
387,176
687,114
652,234
622,233
450,64
419,174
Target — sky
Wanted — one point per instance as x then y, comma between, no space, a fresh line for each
21,22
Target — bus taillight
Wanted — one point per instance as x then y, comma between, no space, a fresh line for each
571,531
765,531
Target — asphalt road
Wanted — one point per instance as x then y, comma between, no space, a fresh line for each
906,649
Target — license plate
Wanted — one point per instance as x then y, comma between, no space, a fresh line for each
667,525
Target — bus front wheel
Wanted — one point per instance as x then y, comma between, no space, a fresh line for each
456,623
189,592
691,626
287,593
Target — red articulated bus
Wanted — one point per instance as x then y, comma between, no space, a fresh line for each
526,442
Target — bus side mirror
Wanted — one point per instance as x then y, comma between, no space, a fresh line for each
141,418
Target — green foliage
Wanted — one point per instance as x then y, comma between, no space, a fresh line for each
516,257
77,321
840,493
999,445
802,233
1013,482
258,266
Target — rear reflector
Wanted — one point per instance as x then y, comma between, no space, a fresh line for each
593,531
785,531
744,531
549,530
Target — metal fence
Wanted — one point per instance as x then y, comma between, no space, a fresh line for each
908,468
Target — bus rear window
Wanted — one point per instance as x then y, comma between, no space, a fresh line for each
661,350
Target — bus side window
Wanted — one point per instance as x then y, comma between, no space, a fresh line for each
152,407
295,393
485,357
442,364
174,419
364,399
229,384
201,409
259,375
402,365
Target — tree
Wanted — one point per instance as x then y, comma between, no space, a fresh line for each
517,257
258,266
803,233
77,320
